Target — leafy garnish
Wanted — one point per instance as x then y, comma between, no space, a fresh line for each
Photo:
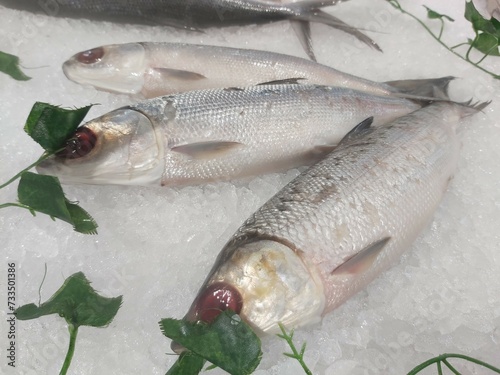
228,342
299,356
443,359
487,33
9,64
79,304
187,364
44,194
50,126
432,14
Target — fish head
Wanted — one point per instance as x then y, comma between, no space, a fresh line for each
121,147
267,283
116,68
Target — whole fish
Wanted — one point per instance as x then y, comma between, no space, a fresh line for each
198,14
338,225
154,69
219,134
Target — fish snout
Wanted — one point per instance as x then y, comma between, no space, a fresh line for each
210,302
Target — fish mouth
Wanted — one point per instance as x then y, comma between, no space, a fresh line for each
209,304
115,68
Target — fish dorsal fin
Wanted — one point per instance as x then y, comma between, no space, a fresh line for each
206,150
359,129
363,260
286,81
178,74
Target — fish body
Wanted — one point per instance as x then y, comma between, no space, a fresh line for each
155,69
338,225
179,13
219,134
199,14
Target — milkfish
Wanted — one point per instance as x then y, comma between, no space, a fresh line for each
219,134
155,69
198,14
338,225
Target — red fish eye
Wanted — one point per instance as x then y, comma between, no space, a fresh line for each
82,142
217,298
91,56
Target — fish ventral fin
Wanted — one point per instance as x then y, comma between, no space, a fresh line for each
285,81
363,260
178,74
206,150
359,129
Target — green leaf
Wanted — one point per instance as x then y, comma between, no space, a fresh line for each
51,126
187,364
228,342
9,64
44,194
432,14
81,220
487,44
491,27
77,302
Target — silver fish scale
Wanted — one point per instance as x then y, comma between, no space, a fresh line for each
386,183
276,126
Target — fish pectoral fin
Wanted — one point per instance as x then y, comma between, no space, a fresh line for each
178,74
363,260
207,150
303,31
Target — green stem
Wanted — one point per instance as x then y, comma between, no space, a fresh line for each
487,54
496,76
482,58
452,369
443,357
474,360
470,48
460,44
440,368
298,356
73,331
14,205
42,158
441,30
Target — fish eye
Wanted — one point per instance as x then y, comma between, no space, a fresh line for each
80,144
216,298
91,56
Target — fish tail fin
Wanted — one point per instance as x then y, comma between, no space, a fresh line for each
303,31
305,12
434,88
470,108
